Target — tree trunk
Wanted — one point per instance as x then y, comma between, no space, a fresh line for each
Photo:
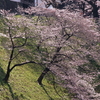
46,70
7,76
95,12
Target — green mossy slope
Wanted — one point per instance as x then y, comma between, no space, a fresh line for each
23,83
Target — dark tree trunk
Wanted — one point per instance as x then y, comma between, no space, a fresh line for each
7,76
46,70
95,12
95,9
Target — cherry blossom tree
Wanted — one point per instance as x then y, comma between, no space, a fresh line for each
68,46
16,31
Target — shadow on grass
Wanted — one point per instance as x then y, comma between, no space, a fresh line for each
9,89
50,98
2,75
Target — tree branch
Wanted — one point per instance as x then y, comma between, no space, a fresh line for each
23,64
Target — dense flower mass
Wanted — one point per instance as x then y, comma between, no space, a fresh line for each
74,41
